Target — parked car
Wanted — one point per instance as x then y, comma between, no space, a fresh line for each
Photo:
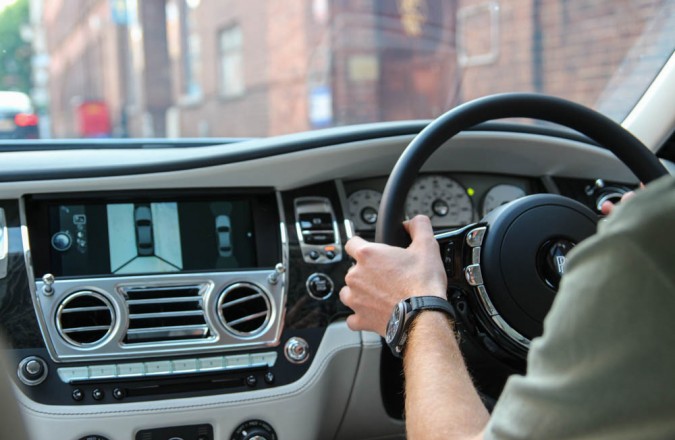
17,117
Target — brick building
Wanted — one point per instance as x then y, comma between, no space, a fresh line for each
255,68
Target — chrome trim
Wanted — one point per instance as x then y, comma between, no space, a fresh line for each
342,197
167,333
65,332
607,196
486,301
296,350
475,237
260,293
32,382
4,244
320,298
317,205
475,255
285,259
509,331
473,275
113,289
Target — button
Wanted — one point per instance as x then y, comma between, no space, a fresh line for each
32,371
118,393
34,368
130,370
296,350
263,359
185,366
319,238
160,367
70,374
330,255
78,395
210,364
319,286
475,237
314,255
237,361
449,259
316,221
269,377
97,394
251,380
473,275
102,371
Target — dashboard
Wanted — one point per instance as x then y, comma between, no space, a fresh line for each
193,292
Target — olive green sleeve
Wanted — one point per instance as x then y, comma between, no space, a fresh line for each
605,366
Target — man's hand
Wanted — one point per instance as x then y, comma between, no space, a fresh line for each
608,207
384,275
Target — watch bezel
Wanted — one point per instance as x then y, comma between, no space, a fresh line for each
393,335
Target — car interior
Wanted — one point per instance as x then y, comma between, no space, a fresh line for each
189,288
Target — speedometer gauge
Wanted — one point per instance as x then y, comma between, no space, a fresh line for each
440,198
363,206
500,195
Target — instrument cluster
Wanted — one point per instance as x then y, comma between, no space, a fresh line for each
448,200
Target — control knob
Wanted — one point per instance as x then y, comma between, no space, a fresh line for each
254,430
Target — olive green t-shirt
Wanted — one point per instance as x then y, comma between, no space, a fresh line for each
605,365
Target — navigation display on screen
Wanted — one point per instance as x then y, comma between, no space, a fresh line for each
154,237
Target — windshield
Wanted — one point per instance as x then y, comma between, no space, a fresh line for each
243,68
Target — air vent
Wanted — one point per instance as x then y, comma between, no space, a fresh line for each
85,318
244,309
166,313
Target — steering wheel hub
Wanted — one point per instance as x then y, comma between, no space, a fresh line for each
523,255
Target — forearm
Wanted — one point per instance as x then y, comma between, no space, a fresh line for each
441,401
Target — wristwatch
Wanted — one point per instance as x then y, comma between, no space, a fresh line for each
403,315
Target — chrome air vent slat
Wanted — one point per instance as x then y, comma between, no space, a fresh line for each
133,302
94,328
247,318
166,313
241,300
85,318
244,309
177,332
85,309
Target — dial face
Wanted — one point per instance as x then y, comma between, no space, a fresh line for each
500,195
440,198
393,324
363,206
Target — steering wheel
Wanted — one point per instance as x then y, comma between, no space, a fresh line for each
503,272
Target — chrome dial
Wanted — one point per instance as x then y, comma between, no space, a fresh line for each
440,198
363,206
500,195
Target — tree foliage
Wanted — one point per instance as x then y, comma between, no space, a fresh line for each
15,52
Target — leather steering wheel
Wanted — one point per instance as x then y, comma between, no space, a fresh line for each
505,269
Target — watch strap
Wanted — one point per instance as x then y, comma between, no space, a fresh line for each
417,304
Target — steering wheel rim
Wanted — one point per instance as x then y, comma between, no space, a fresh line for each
596,126
511,265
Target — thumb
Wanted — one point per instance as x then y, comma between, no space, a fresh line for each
419,228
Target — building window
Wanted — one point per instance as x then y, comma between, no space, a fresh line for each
231,62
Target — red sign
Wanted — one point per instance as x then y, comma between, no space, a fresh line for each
94,119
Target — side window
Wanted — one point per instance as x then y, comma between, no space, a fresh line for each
231,75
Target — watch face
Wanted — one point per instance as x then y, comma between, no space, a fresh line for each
394,324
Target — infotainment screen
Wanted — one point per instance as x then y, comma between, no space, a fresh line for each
144,237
